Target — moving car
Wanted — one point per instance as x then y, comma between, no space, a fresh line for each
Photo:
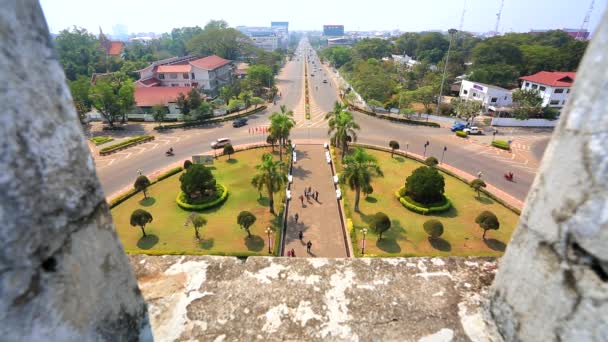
472,130
239,122
458,127
324,81
219,143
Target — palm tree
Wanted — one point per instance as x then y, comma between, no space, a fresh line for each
280,127
359,169
343,127
339,107
270,176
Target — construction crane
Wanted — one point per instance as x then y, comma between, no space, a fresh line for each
498,15
585,25
464,9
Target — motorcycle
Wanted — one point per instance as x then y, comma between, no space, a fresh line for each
169,153
509,176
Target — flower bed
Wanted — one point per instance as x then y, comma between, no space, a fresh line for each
419,208
222,196
123,197
125,144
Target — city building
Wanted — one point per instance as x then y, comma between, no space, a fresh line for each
262,37
490,96
111,48
281,29
404,60
206,74
339,41
146,98
333,30
574,33
553,87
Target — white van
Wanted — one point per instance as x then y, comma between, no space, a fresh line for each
219,143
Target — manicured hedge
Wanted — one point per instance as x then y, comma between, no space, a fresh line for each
174,252
400,120
208,121
422,210
462,134
126,143
197,207
101,140
116,201
501,144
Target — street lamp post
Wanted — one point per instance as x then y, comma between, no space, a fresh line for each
494,135
445,148
407,148
139,171
269,231
445,68
364,232
425,146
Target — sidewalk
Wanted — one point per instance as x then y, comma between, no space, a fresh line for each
319,220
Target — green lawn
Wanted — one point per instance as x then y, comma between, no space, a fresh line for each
101,140
222,235
461,237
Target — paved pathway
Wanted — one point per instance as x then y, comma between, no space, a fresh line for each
319,221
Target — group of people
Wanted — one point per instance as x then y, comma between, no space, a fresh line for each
308,193
292,252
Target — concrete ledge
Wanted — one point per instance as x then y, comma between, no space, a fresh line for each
313,299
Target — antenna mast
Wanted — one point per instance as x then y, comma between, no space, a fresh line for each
498,15
585,25
464,9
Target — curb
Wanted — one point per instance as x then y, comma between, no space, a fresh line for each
143,141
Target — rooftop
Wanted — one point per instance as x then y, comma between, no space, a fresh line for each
152,96
553,79
210,62
173,68
115,48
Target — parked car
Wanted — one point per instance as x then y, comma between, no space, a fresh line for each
239,122
458,127
472,130
219,143
324,81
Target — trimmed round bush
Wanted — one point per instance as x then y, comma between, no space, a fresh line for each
434,228
462,134
187,164
411,205
431,161
425,185
181,200
501,144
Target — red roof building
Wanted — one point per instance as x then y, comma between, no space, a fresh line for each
552,78
115,48
152,96
210,62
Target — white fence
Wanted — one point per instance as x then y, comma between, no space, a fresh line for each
510,122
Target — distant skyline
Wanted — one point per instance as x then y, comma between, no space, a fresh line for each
406,15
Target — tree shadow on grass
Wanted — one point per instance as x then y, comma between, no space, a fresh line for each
263,201
147,242
232,161
254,243
495,245
388,245
440,244
371,199
484,200
206,243
400,159
453,212
146,202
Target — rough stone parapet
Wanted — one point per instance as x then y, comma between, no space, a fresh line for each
316,299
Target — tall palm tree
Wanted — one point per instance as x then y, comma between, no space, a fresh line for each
285,111
280,127
339,107
271,176
359,169
343,127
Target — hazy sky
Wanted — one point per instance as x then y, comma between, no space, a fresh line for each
406,15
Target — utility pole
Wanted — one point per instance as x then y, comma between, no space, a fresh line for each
585,25
464,9
445,69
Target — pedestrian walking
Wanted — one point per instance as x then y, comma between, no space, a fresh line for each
302,200
296,217
317,196
301,235
308,246
289,253
293,253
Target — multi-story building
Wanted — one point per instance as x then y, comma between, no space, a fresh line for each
333,30
490,96
553,87
206,73
262,37
281,29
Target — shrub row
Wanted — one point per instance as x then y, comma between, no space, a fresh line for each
400,120
126,143
118,200
501,144
101,140
197,207
462,134
174,252
209,121
422,210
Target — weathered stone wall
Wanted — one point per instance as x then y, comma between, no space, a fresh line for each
63,274
552,283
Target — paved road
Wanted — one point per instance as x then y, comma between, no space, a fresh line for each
118,171
319,220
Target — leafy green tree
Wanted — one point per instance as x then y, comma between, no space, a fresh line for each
270,139
198,181
540,58
80,53
425,185
226,94
338,55
235,104
194,98
380,223
246,97
216,25
183,104
487,220
434,228
527,103
198,221
426,96
394,145
140,218
270,176
477,184
141,184
497,50
260,76
112,96
187,164
373,79
343,127
407,44
256,101
465,109
159,112
80,89
229,150
372,48
502,75
246,219
203,111
227,43
367,190
280,127
359,169
431,161
374,104
432,46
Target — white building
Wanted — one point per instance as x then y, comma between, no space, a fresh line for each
488,95
553,87
265,38
206,73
